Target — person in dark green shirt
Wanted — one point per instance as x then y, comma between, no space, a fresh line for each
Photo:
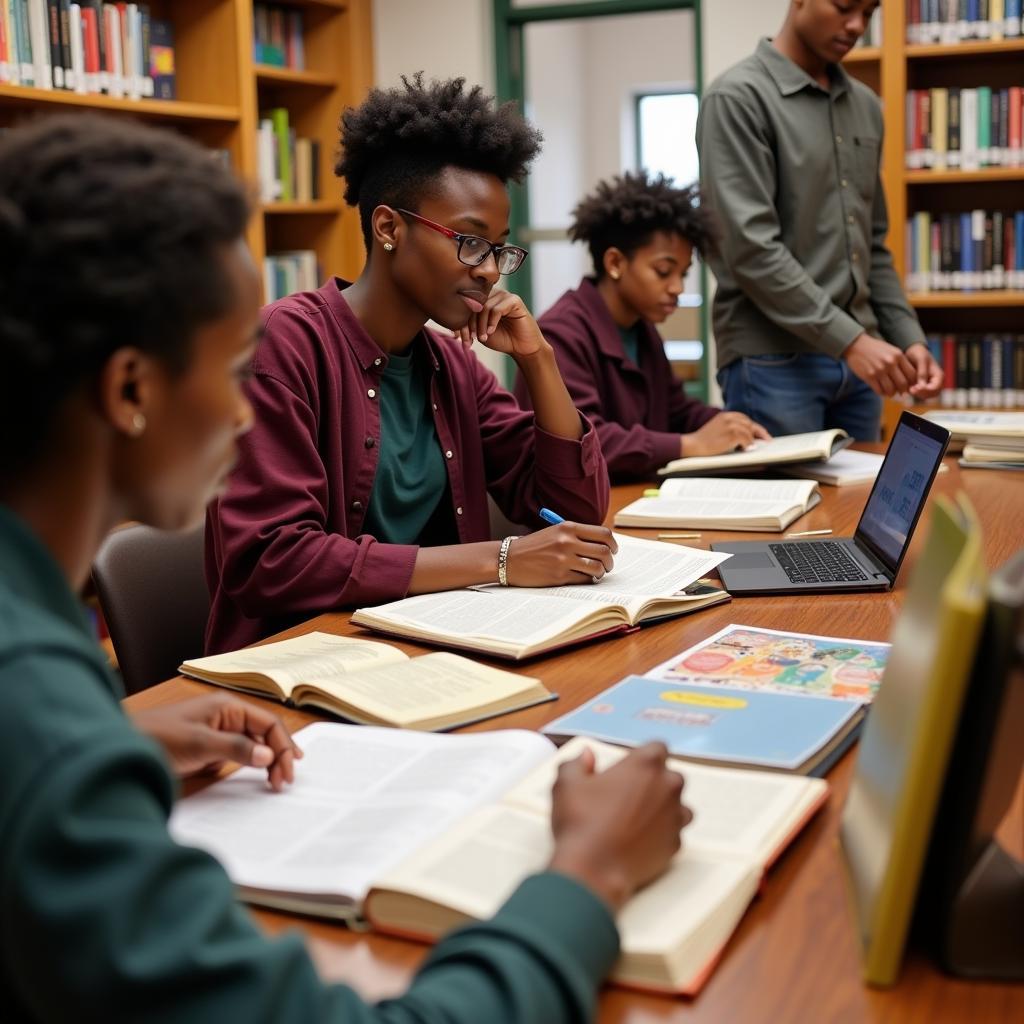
128,316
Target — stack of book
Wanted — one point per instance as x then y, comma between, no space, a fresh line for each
86,47
993,440
954,21
964,128
277,33
980,370
977,250
288,165
288,272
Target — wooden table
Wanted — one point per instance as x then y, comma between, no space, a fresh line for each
794,957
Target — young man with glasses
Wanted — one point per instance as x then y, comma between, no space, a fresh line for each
375,441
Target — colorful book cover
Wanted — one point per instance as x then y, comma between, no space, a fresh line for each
748,727
751,658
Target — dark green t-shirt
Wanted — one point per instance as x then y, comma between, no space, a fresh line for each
631,341
411,480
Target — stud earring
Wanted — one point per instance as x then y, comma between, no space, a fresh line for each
138,424
388,247
615,275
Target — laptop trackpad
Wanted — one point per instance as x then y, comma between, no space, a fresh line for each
751,560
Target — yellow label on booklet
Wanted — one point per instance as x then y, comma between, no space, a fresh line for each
704,700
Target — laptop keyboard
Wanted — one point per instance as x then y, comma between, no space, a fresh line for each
818,562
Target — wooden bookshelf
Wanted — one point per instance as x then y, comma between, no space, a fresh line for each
891,70
221,91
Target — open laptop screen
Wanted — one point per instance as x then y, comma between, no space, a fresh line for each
903,482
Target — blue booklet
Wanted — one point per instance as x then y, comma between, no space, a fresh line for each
719,724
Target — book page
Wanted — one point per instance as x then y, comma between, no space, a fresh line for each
508,614
736,813
363,799
312,658
815,444
644,569
476,866
762,495
426,687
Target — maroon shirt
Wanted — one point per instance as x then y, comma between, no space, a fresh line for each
284,542
638,411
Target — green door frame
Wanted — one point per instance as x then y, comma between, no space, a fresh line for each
510,75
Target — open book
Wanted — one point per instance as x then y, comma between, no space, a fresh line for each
719,503
419,833
650,580
815,446
371,683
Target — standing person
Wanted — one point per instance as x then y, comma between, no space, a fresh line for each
641,233
376,441
811,324
128,317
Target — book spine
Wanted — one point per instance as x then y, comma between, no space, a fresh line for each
948,394
984,125
1018,247
975,371
996,18
5,64
977,249
987,252
78,48
969,129
935,255
38,30
953,140
939,128
53,38
962,369
90,49
1011,23
998,252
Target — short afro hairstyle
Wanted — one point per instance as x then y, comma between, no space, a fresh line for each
626,211
110,236
396,143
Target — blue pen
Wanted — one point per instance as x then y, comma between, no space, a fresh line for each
551,517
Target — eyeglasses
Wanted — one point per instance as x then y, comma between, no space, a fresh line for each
473,249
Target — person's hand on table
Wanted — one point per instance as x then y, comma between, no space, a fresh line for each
200,735
726,432
557,555
617,830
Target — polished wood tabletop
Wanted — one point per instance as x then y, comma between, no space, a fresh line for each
794,957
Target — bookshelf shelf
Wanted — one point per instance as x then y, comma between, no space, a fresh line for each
25,96
966,300
951,51
316,207
949,177
863,55
268,75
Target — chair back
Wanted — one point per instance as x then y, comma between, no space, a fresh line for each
153,595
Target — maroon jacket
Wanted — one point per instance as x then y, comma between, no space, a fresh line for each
638,411
284,542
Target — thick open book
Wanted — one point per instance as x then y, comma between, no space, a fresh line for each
650,580
371,683
815,446
420,833
723,504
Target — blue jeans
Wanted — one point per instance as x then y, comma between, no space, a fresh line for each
801,392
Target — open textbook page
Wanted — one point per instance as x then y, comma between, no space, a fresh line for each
363,799
722,503
818,444
649,579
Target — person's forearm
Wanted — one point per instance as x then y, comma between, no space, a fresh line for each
553,408
454,566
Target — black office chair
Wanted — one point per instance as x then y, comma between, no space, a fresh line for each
153,595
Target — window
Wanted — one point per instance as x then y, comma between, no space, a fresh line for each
667,135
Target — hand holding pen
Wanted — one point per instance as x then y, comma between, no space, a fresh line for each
563,553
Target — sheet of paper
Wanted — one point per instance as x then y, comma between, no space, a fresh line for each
723,490
363,799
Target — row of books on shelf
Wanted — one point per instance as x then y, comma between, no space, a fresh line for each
953,21
278,37
965,128
976,250
87,47
288,166
984,371
288,272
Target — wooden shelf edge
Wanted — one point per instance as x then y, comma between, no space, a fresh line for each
940,50
266,73
172,109
863,55
316,206
967,300
948,177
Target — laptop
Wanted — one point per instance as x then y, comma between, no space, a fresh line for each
871,558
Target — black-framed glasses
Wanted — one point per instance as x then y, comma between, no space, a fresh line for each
473,249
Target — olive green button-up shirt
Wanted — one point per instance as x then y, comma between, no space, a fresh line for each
791,170
104,917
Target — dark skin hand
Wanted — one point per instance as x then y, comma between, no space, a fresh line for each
617,830
201,735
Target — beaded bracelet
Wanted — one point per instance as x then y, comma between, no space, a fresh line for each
503,561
